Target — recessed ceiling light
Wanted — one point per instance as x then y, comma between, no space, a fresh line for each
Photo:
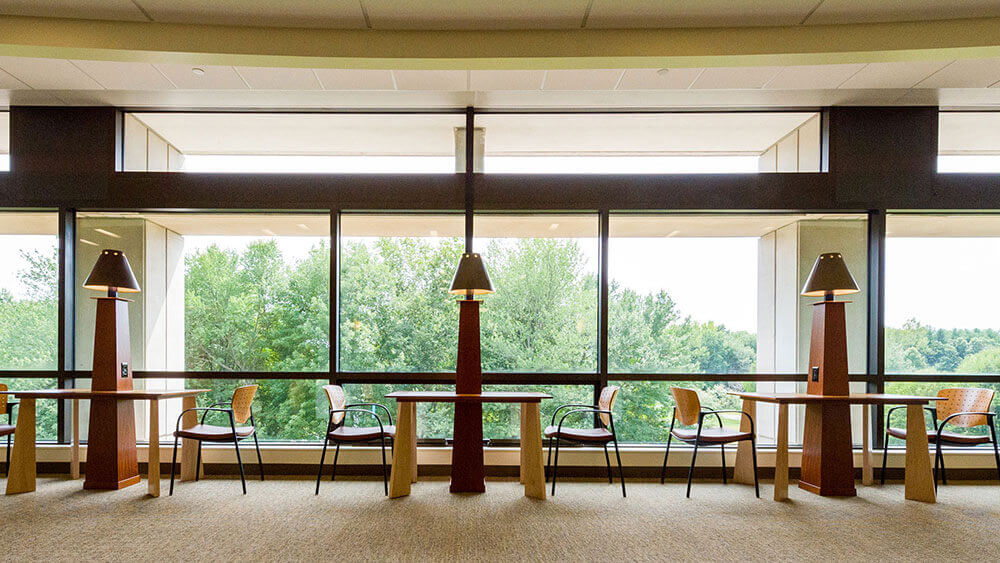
268,232
108,233
663,71
198,71
434,233
673,234
303,226
553,226
91,243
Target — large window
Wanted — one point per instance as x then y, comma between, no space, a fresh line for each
969,141
292,143
4,141
29,305
650,143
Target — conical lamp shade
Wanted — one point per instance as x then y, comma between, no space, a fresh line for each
471,276
112,270
830,276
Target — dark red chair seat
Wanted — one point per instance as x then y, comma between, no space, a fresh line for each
209,433
362,433
711,435
946,437
599,435
6,429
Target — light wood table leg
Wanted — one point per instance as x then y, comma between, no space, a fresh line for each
413,443
402,461
781,455
21,474
919,479
532,470
866,455
74,463
743,468
189,448
153,471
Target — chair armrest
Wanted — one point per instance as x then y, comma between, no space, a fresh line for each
348,410
232,416
716,413
566,406
989,418
214,405
383,407
588,409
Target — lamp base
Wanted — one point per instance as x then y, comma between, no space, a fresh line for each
468,472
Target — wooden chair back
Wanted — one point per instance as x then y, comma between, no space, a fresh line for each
242,398
606,402
964,399
3,399
337,398
688,405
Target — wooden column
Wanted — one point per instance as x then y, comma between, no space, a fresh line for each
74,463
189,448
919,479
468,472
153,459
781,455
21,473
743,468
532,469
402,459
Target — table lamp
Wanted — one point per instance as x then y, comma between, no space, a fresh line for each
112,463
470,280
828,424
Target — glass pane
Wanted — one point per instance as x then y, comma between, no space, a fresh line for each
968,141
930,389
4,141
543,316
395,310
941,324
434,420
649,143
284,409
28,291
503,421
290,143
46,411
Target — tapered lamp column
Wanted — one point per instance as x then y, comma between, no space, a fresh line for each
467,469
111,456
828,425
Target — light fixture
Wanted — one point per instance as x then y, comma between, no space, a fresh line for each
108,233
91,243
663,71
829,277
553,226
434,233
112,273
303,226
673,234
268,232
198,71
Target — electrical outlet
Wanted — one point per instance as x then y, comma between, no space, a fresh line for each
815,373
124,369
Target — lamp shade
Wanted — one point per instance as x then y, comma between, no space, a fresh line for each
112,272
471,276
829,277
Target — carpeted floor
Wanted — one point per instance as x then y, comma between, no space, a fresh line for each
351,520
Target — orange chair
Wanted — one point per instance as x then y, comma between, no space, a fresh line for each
602,435
964,407
240,411
7,429
689,411
337,433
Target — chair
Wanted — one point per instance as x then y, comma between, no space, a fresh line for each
337,433
602,434
240,410
965,407
689,411
7,429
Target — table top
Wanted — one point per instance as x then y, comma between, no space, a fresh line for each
452,397
133,395
854,398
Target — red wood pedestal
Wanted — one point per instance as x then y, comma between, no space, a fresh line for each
827,458
468,474
112,462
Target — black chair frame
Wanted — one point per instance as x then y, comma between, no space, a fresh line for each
331,426
583,409
697,441
236,443
10,421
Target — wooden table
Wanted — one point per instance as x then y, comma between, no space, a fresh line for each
404,460
919,478
21,478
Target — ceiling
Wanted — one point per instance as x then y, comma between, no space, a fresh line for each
509,14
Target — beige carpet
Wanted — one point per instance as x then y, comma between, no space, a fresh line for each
351,520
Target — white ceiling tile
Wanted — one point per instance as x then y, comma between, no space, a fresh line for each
866,11
702,13
966,73
77,9
475,14
265,78
355,79
339,14
730,78
8,82
214,77
48,74
483,80
590,79
452,80
893,75
115,75
659,78
812,77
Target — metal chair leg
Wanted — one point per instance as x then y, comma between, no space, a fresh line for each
548,464
608,461
555,467
239,461
885,455
197,466
993,433
694,454
260,460
723,448
944,476
6,468
663,472
621,473
322,458
336,454
937,458
173,467
753,455
385,474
